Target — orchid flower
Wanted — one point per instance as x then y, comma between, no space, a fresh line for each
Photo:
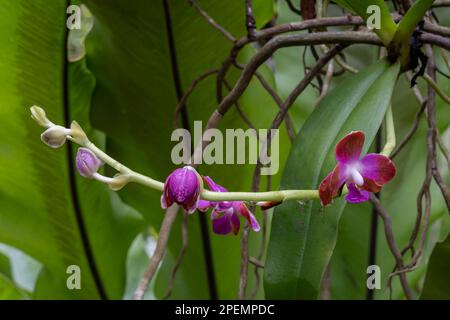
361,176
225,214
183,186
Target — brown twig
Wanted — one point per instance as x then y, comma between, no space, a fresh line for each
239,109
262,245
276,98
188,92
326,82
250,20
157,256
184,245
411,131
293,8
211,21
433,132
387,222
441,3
244,262
256,262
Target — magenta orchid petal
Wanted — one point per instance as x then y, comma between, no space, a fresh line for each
356,195
377,168
204,205
226,211
242,209
213,186
349,148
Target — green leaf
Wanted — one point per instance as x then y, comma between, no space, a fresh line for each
46,211
388,26
437,279
303,235
412,17
407,25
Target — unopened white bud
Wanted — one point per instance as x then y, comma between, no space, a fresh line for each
38,114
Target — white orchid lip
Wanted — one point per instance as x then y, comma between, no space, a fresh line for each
352,171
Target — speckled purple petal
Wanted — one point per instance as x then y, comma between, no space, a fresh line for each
356,195
221,224
204,205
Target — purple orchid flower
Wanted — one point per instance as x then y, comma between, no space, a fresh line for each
362,176
183,186
225,214
87,162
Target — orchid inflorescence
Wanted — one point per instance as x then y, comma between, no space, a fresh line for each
185,186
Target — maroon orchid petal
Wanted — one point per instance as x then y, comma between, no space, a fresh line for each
349,148
329,187
235,223
242,209
356,195
378,168
183,187
222,224
371,186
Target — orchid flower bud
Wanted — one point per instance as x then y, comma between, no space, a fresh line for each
183,186
87,162
77,134
55,136
38,114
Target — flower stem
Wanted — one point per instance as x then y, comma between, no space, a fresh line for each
281,195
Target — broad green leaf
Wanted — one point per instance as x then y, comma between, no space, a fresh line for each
128,52
437,279
43,212
388,26
303,234
350,258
